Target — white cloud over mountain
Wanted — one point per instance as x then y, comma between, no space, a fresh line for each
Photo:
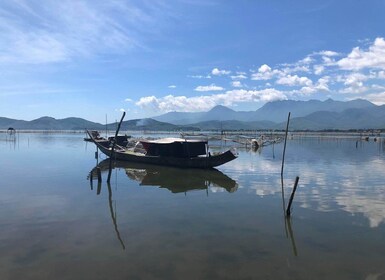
205,102
295,80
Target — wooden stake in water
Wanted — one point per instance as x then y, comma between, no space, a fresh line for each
284,147
292,197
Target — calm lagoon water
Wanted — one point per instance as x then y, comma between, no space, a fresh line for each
162,223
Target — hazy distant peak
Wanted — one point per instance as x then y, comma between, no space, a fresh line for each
362,102
220,109
45,118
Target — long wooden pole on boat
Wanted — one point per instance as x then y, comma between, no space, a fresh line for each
113,147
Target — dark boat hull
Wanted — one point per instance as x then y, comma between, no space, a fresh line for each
193,162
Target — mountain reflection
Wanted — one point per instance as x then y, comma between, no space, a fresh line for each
176,180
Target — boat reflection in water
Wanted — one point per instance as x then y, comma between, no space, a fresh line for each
176,180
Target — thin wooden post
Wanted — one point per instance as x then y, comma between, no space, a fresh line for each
292,196
284,147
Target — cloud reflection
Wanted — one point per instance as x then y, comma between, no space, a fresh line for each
333,176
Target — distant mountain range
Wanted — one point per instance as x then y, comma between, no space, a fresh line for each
275,111
305,115
48,123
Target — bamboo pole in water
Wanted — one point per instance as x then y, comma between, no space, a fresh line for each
292,197
284,147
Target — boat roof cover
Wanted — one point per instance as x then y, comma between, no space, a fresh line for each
172,140
175,147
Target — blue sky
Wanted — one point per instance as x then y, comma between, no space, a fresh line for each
92,58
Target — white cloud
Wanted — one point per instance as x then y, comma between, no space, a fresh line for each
320,86
55,31
306,60
148,102
354,89
355,79
307,90
376,98
295,69
176,103
211,87
295,80
31,48
264,69
328,53
265,73
271,94
128,100
381,75
217,72
328,61
302,65
172,86
239,77
318,69
204,103
354,82
359,59
236,84
199,76
378,87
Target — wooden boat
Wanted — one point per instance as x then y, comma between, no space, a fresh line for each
175,152
176,180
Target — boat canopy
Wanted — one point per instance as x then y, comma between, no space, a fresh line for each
175,147
172,140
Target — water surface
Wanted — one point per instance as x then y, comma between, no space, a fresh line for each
166,223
